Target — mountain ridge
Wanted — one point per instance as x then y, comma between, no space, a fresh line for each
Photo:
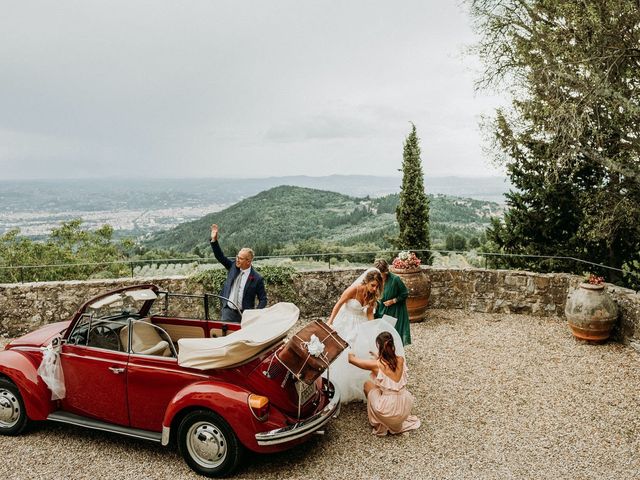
286,215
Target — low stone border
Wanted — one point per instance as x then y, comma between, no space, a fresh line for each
24,307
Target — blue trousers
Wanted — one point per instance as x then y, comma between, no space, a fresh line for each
230,315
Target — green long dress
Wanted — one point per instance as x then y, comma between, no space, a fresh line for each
394,287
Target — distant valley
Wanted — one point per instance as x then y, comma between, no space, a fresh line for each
141,207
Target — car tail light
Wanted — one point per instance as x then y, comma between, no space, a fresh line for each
259,406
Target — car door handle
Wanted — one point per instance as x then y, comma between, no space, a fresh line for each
116,370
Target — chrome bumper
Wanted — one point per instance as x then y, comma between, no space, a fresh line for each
301,429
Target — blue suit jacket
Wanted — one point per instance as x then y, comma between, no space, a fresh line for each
254,288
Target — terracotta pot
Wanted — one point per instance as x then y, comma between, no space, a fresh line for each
591,313
419,286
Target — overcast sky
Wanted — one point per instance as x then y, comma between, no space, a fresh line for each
216,88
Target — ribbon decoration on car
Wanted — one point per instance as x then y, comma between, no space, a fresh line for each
50,369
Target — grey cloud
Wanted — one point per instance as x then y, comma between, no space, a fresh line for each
320,127
142,87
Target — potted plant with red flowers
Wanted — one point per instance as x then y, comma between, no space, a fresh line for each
408,267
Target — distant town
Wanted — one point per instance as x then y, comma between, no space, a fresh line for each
125,221
141,207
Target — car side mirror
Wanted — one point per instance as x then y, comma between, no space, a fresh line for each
57,341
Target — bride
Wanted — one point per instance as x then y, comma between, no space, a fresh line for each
352,318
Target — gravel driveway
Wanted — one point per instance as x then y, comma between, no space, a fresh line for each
499,396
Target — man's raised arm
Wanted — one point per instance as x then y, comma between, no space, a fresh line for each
217,251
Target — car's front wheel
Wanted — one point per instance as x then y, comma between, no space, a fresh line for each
13,416
208,444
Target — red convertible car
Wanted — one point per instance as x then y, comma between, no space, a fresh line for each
150,364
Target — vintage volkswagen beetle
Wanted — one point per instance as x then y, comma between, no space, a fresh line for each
120,355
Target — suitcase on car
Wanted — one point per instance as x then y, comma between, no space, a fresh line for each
307,357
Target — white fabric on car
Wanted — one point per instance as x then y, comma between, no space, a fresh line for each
260,328
50,370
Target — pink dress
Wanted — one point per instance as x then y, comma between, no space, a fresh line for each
389,405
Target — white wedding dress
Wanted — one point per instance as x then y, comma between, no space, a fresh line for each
352,324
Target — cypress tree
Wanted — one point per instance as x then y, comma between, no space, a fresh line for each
412,212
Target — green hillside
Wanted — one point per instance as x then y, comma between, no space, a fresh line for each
265,221
282,217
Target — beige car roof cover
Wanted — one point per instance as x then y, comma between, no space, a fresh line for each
259,329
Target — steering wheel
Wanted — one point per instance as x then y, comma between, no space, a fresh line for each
103,336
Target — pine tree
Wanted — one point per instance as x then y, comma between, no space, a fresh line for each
570,139
412,212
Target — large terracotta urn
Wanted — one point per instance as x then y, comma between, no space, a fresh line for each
591,313
419,286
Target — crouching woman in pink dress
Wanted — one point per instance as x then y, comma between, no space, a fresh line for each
389,402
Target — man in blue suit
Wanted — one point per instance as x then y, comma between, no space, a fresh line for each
243,284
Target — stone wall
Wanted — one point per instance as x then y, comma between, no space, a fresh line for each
499,291
628,327
24,307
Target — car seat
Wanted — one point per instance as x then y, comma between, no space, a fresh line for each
145,339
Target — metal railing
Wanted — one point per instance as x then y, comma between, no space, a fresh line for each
327,257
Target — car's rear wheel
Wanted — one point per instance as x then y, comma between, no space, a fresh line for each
13,416
208,444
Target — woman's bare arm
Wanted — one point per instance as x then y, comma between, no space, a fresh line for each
346,295
370,310
364,363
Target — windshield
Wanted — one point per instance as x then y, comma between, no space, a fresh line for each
122,303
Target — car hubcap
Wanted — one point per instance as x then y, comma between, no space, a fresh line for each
9,409
206,444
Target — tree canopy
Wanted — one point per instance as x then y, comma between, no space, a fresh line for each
569,140
69,253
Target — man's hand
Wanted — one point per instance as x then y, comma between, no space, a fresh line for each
214,232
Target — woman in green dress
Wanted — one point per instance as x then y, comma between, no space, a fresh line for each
394,301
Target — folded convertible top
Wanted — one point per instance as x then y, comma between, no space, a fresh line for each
260,328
